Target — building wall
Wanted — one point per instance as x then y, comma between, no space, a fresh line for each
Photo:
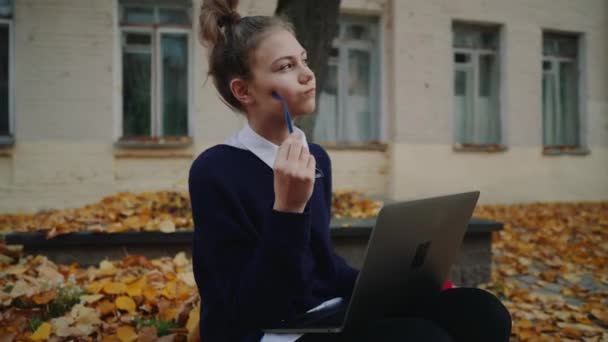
422,162
68,107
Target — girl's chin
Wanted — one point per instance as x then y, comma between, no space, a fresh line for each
307,107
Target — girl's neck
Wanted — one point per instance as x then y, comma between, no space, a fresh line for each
274,131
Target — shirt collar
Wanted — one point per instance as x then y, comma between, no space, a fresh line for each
248,139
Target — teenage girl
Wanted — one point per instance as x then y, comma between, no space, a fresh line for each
261,205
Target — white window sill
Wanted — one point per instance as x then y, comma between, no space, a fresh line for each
154,148
491,148
566,150
375,146
154,142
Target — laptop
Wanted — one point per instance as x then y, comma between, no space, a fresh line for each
407,261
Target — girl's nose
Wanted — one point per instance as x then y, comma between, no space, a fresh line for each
307,75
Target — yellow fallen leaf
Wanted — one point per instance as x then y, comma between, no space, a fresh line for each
136,288
128,279
105,307
90,299
115,288
95,287
169,313
184,291
126,334
170,290
133,222
125,303
193,320
150,294
42,333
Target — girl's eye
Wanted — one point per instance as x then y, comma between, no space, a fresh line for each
285,66
305,61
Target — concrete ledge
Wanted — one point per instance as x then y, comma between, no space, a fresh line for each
349,237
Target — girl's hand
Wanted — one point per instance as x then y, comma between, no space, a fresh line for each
294,175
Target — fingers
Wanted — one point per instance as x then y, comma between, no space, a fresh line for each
294,145
294,155
285,149
311,163
281,154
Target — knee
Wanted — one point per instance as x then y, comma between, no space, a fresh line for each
482,304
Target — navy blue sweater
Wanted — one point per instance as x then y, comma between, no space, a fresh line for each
254,265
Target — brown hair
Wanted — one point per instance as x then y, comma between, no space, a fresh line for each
231,39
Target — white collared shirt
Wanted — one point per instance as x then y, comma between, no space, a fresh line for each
248,139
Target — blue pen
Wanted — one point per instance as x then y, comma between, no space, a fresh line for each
318,172
285,109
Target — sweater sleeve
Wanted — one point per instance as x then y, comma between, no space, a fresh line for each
346,275
256,273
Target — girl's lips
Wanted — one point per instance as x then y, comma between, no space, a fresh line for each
310,92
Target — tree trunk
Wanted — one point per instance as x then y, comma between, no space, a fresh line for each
316,23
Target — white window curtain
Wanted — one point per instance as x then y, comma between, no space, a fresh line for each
476,85
561,119
349,104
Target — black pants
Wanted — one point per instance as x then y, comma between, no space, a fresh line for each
457,315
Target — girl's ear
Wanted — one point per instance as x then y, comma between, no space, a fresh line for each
240,90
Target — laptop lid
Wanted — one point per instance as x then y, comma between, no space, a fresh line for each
409,255
407,260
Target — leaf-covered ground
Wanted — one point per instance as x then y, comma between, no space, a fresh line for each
125,300
164,211
549,268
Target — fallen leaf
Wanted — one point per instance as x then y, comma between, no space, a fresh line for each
44,297
90,299
114,288
42,333
126,334
125,303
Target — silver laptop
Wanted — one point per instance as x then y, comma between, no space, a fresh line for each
407,261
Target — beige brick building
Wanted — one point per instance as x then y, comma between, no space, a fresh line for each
434,96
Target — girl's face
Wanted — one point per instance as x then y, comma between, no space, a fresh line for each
279,64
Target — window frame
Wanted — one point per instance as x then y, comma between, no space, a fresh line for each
10,138
155,31
344,46
580,147
475,53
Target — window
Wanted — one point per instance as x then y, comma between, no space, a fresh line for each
349,103
155,69
6,96
476,85
561,122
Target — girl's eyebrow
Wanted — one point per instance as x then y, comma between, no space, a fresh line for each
303,53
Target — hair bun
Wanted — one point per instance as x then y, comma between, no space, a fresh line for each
214,15
227,19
